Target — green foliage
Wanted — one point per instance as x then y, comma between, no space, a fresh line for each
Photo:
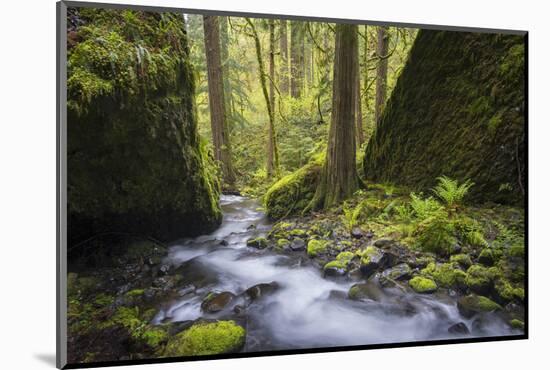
206,339
449,190
435,234
425,208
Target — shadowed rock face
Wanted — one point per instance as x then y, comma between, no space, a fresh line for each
457,110
135,161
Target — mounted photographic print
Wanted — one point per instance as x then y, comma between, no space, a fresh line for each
235,185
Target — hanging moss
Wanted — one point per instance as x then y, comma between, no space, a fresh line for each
135,160
457,110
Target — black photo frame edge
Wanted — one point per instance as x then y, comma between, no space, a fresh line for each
61,196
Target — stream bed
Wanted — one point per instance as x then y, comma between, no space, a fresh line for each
306,310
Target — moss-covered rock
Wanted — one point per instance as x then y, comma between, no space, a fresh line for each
316,247
292,194
462,259
135,161
517,324
486,257
447,275
480,279
469,305
423,285
259,242
458,110
207,339
365,291
339,265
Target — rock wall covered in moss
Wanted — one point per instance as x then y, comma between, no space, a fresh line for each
457,110
135,160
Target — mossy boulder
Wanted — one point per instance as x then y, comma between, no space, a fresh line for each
447,275
372,259
472,304
398,272
517,324
135,160
463,260
504,291
338,266
423,285
292,194
207,338
486,257
316,247
259,242
457,109
480,279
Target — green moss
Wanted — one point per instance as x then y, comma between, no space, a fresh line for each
447,275
282,243
367,253
517,324
291,194
135,293
134,154
298,233
463,260
422,285
259,242
207,339
486,257
341,262
481,303
457,88
316,247
479,279
506,292
154,337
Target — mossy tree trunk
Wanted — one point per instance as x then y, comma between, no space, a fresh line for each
339,178
284,72
224,42
272,153
358,110
216,100
381,72
366,74
296,58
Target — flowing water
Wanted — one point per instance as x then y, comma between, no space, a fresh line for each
307,310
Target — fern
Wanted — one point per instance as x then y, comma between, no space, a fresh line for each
424,208
450,192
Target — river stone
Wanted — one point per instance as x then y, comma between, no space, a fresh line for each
259,242
458,328
472,304
365,291
261,290
397,273
384,243
298,245
357,233
216,302
372,259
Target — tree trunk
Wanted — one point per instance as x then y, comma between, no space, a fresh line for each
273,163
296,58
358,110
220,135
224,42
271,134
339,178
366,75
381,72
284,73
